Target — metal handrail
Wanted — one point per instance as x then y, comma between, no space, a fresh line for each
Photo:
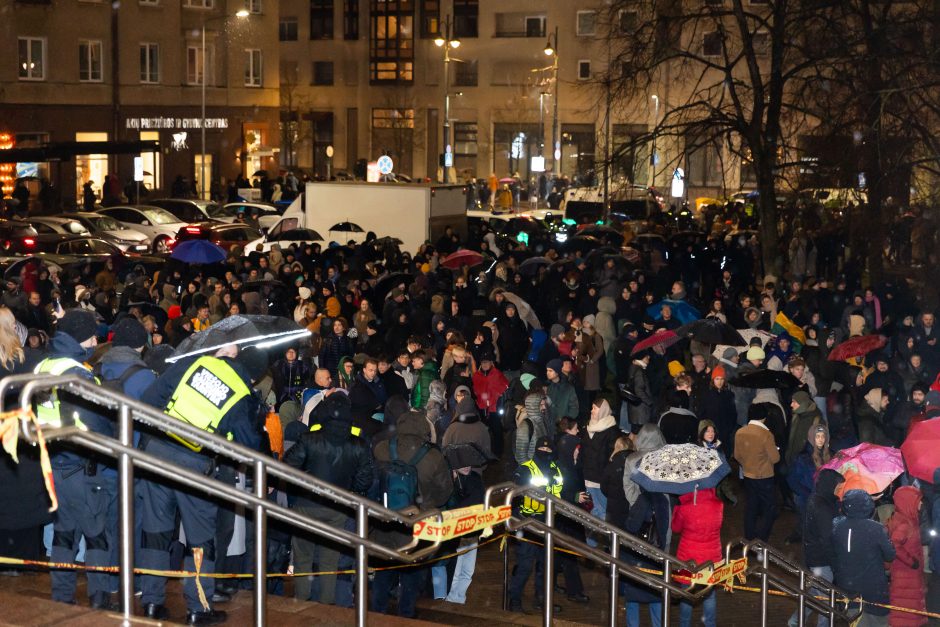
834,597
131,410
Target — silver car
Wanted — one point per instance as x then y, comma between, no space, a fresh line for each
158,225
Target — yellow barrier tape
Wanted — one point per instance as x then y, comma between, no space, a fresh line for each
197,561
9,436
461,522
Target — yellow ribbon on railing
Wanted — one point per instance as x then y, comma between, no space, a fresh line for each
10,435
197,561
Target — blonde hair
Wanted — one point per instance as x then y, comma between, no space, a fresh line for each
10,348
622,443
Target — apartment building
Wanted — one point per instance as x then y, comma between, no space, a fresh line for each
93,70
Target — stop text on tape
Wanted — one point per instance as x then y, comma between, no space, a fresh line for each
461,522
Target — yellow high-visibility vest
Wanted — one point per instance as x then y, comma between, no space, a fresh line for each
552,485
207,391
49,410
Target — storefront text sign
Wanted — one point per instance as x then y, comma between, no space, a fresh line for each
174,123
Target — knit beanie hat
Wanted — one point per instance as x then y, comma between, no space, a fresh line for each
174,312
554,364
527,380
79,324
755,353
675,368
129,332
729,353
718,371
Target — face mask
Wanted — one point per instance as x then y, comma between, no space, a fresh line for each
544,457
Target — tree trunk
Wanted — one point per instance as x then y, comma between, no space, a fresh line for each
771,259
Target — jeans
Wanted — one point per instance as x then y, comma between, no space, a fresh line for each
823,572
463,575
761,509
709,614
633,614
599,510
439,580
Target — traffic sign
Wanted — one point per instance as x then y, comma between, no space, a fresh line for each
138,169
385,164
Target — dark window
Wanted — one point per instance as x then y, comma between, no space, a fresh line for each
430,18
465,74
321,19
535,26
466,18
351,20
711,44
391,41
465,138
287,29
322,72
584,70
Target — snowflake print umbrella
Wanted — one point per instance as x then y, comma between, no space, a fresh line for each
680,469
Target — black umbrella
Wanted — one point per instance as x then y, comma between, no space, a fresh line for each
386,284
256,285
347,227
712,331
763,378
604,233
532,265
260,174
582,244
243,330
388,241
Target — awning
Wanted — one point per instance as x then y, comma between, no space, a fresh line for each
64,151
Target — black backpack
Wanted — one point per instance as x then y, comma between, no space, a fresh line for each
117,385
398,479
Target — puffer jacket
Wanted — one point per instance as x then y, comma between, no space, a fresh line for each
907,570
530,426
862,546
697,518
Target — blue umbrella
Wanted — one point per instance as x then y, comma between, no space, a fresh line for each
681,310
198,251
680,469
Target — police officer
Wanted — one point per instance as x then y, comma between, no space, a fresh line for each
212,392
540,472
86,488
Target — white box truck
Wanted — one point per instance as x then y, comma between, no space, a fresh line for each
414,213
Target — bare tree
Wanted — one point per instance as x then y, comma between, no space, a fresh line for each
294,104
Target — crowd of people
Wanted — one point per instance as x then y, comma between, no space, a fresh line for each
419,385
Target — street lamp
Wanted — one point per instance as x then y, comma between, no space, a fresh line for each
551,50
655,99
444,40
241,14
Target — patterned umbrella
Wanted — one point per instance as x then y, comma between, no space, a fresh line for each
869,467
680,469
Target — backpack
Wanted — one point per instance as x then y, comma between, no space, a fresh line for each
117,385
398,479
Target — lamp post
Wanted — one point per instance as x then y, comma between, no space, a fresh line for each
551,50
655,99
241,14
445,41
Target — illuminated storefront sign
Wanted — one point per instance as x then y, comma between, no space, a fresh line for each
174,123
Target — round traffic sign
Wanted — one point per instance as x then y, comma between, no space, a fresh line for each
385,164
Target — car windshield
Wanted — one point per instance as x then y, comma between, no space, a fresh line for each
222,211
106,223
74,227
159,216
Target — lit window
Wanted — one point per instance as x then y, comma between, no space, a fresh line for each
253,68
89,61
32,58
393,118
149,63
196,65
199,4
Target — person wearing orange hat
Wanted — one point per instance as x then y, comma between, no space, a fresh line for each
718,406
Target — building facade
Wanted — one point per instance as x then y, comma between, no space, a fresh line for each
90,70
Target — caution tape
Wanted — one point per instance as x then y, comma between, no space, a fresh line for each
9,437
461,522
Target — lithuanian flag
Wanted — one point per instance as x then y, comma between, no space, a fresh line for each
782,323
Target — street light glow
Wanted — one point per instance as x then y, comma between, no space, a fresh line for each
440,41
549,51
454,43
242,13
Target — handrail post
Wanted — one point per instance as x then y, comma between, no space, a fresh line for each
614,576
126,505
549,573
802,603
667,576
763,585
832,606
362,569
506,572
261,546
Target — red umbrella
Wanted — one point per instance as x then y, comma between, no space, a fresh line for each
921,449
461,258
663,337
857,346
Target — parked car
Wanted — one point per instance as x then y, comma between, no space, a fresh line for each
186,209
91,247
160,226
285,238
90,223
268,214
17,237
225,235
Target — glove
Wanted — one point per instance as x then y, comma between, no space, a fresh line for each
353,333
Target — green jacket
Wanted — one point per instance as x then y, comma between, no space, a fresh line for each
564,401
422,389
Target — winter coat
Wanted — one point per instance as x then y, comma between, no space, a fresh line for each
697,519
907,570
862,546
818,518
804,417
333,348
513,342
367,398
290,379
467,428
743,397
436,410
679,426
488,386
639,383
592,352
755,450
719,406
605,324
869,420
564,400
597,445
530,426
618,508
422,389
648,439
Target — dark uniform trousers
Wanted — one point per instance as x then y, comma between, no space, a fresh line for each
198,515
87,507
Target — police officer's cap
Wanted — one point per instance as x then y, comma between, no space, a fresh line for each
544,442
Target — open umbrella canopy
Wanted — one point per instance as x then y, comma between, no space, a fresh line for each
243,330
604,233
524,310
750,334
582,244
681,310
868,467
531,266
680,469
764,378
389,282
857,347
711,331
198,251
347,227
663,337
921,449
461,258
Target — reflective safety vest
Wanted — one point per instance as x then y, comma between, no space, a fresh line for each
48,410
354,430
552,485
207,391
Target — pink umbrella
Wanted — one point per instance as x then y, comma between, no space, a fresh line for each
870,466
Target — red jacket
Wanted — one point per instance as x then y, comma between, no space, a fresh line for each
488,387
698,518
907,582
